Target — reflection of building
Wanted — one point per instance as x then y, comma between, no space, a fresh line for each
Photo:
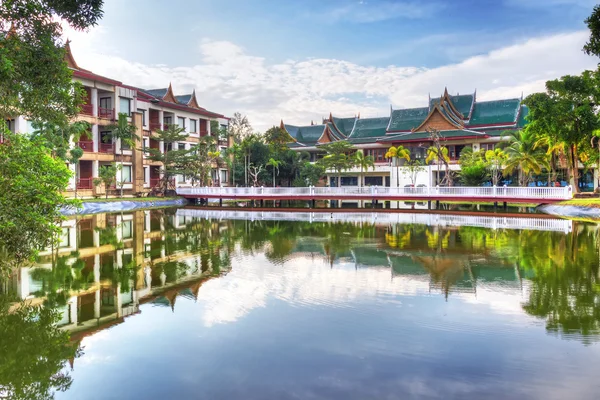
149,111
112,264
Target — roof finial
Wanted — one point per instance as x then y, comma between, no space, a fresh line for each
281,125
521,95
330,117
358,115
445,91
475,94
312,122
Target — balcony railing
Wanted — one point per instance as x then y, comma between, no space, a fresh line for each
154,125
86,145
154,182
107,113
203,133
87,109
105,148
84,183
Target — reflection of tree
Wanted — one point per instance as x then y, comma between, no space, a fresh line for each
33,353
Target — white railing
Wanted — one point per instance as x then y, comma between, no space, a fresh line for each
540,224
437,192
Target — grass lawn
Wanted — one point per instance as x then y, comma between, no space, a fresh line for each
593,202
112,200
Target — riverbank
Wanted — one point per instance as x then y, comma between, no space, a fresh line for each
586,208
96,206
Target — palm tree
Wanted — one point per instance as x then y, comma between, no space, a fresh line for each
524,155
275,164
364,162
398,153
233,152
125,131
440,156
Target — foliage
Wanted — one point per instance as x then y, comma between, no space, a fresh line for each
31,186
60,138
34,353
363,162
107,175
396,154
198,163
338,157
523,155
124,131
310,173
592,47
496,159
412,169
239,127
473,167
274,164
277,139
34,78
173,160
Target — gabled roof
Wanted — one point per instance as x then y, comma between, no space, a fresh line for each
369,128
522,120
461,104
495,112
189,100
344,125
407,119
440,119
306,135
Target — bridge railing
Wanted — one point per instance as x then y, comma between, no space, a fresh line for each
541,224
548,193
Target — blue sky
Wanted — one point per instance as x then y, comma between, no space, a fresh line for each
342,54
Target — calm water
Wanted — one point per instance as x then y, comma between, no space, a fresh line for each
168,304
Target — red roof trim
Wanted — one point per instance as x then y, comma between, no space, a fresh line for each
95,77
443,139
491,125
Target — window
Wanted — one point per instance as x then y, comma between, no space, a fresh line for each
127,229
487,146
106,103
373,181
65,238
167,121
126,173
223,177
181,122
124,106
181,146
144,144
180,179
145,174
143,112
193,127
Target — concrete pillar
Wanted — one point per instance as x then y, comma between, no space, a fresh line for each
208,127
138,155
118,301
73,310
95,137
161,115
97,300
94,101
116,103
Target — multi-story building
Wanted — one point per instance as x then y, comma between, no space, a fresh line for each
149,111
461,121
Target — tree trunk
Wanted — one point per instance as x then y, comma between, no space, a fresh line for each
397,172
573,168
273,177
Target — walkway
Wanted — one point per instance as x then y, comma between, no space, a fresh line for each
537,195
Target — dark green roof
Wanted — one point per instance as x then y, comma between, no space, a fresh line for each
307,135
462,102
495,112
370,128
345,125
370,257
425,135
407,119
336,134
522,116
159,93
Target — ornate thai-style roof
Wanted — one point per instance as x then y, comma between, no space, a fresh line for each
462,105
439,118
407,119
524,111
369,128
344,125
495,112
306,135
424,135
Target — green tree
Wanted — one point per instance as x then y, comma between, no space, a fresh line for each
364,163
496,159
31,187
277,139
310,173
523,155
34,353
412,169
239,127
34,78
123,131
338,158
592,46
397,154
274,164
473,167
107,175
174,160
439,154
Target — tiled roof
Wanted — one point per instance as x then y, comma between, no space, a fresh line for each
407,119
369,127
425,135
522,115
336,135
159,93
345,125
307,135
184,99
495,112
462,103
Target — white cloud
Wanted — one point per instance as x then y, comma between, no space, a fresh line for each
367,12
228,79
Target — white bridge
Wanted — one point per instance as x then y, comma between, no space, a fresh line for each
443,220
537,195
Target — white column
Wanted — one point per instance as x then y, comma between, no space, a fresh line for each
95,166
116,100
73,310
94,101
118,301
161,116
96,235
95,137
98,299
73,179
208,127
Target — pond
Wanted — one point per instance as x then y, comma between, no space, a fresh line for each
188,303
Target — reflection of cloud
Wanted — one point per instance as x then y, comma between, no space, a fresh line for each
304,282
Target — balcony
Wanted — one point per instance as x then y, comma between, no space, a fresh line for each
203,133
154,182
87,109
86,145
154,125
107,113
84,183
106,148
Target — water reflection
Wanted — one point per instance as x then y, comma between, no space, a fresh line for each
107,267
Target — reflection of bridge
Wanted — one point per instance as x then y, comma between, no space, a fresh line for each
538,195
542,224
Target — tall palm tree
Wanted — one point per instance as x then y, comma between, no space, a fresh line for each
275,164
125,131
397,153
524,155
364,162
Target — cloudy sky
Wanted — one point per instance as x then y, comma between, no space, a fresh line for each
300,60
